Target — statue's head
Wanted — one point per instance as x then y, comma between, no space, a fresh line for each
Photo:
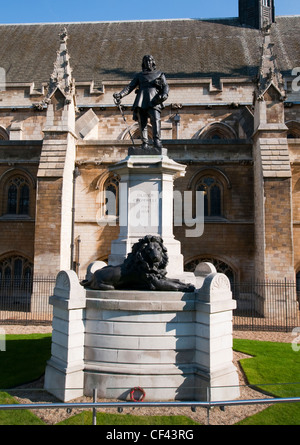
148,63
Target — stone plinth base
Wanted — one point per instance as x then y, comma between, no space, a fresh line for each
218,385
141,339
166,387
64,383
174,345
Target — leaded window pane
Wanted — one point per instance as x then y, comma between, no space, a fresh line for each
212,196
24,200
18,268
215,201
12,200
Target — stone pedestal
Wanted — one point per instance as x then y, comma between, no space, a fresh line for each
174,345
140,339
216,377
146,206
64,375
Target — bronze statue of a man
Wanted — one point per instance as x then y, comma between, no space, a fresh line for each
152,91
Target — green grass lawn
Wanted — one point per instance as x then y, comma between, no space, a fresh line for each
16,417
23,361
273,368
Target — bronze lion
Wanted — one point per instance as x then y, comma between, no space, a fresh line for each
143,269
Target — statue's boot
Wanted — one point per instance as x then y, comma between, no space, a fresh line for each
145,145
157,143
145,141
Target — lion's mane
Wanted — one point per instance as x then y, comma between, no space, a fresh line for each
138,261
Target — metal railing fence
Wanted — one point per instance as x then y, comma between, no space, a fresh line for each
26,301
120,406
269,306
266,306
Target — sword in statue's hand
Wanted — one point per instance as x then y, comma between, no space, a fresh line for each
117,100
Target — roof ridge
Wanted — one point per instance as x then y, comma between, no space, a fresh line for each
287,15
215,19
122,21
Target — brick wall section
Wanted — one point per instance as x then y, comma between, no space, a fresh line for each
112,126
48,227
95,237
296,235
296,214
273,208
230,240
259,216
278,229
32,123
95,243
17,237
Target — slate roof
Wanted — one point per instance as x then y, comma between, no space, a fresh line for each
188,48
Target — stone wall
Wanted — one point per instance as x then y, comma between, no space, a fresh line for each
296,215
199,105
278,228
17,230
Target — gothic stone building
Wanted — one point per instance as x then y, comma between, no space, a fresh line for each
232,117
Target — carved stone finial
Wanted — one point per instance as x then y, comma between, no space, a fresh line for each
269,73
61,77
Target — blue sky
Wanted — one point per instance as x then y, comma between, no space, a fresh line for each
36,11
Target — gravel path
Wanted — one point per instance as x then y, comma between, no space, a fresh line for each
33,393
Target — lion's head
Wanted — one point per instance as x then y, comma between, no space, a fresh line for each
149,256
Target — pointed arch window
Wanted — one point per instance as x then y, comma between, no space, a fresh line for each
212,190
12,199
15,269
217,131
215,186
18,196
111,188
108,186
